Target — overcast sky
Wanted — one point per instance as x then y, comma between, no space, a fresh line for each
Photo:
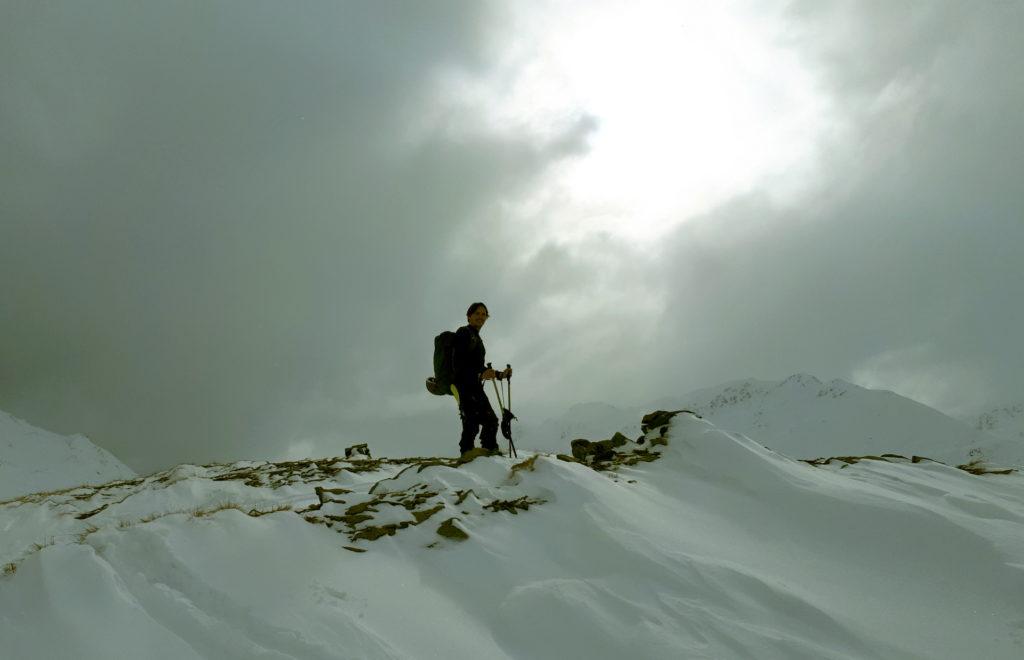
227,227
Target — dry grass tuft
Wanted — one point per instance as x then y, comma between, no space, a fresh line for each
36,547
528,464
978,467
86,532
256,513
202,513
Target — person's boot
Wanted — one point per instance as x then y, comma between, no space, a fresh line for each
472,454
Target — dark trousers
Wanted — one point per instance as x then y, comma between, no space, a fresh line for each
477,417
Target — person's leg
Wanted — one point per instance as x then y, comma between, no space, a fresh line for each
469,431
489,422
470,421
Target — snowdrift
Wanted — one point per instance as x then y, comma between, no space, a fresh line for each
698,543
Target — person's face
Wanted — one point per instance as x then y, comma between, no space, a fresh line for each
478,317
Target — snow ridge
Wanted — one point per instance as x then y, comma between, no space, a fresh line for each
717,548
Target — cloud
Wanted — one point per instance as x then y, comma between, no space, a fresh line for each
232,231
928,375
217,214
911,238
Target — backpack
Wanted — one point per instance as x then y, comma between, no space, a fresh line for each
444,369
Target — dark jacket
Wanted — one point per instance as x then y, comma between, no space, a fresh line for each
468,357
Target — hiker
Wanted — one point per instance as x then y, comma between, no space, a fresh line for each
470,371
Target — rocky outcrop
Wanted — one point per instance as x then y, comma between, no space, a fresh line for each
619,450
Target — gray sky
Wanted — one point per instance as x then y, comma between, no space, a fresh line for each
230,228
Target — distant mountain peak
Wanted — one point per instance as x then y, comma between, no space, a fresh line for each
803,380
803,416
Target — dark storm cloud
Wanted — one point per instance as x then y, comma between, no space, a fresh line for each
217,221
904,268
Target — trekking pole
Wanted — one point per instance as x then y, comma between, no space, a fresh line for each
509,384
506,414
494,381
503,409
497,393
511,447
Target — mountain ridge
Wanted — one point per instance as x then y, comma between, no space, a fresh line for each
34,459
805,417
711,546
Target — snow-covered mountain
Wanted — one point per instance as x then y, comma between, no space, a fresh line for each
804,417
34,460
1003,421
698,543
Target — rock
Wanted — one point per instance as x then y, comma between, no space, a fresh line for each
618,440
448,530
619,451
660,418
602,450
358,450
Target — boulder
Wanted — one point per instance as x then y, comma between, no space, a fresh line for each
660,419
358,450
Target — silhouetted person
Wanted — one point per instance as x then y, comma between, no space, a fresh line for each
469,363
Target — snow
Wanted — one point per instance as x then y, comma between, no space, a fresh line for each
1003,421
803,417
33,460
720,548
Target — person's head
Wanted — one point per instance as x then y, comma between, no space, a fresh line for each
477,315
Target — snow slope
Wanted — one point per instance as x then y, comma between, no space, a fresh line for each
1004,421
33,460
803,417
719,548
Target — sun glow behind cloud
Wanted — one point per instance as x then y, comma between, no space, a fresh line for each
693,103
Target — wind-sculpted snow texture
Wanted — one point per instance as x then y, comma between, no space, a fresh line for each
696,544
